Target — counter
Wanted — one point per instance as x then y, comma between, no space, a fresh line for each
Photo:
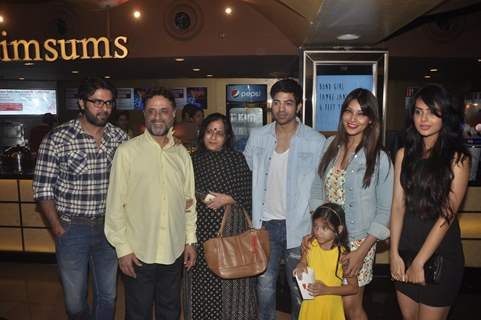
22,226
24,229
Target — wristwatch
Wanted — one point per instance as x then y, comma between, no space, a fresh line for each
194,244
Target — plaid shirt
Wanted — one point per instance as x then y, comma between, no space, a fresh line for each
74,171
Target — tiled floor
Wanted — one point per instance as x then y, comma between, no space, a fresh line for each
31,291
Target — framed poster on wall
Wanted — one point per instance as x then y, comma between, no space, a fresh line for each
333,89
197,96
329,75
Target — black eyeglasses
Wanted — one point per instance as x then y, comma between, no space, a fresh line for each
99,103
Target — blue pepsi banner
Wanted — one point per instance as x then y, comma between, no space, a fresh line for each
246,92
330,94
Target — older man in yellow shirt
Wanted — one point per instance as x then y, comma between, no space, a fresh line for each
147,220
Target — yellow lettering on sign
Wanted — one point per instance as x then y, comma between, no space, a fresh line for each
95,48
52,49
5,56
52,53
121,47
73,49
17,44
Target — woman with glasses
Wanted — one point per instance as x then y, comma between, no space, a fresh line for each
222,178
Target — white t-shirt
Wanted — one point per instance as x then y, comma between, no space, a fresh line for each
275,197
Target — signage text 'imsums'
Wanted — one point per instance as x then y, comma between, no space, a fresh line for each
72,49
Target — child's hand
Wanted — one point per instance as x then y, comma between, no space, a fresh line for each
299,270
317,288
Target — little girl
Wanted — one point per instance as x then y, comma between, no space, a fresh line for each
329,243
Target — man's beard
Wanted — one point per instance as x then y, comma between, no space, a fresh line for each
157,131
92,119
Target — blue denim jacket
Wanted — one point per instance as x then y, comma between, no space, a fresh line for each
368,211
303,160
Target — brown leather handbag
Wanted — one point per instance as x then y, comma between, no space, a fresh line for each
239,256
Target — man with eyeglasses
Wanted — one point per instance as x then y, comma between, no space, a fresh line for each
70,184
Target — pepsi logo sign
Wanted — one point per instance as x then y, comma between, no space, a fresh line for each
236,93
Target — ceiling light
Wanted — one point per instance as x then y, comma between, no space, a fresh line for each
75,71
479,60
179,59
28,64
348,36
4,33
137,14
21,78
209,75
434,69
427,76
228,10
195,69
1,19
107,77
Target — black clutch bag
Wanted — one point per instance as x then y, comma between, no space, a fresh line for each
433,268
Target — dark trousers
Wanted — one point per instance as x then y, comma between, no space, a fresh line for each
158,285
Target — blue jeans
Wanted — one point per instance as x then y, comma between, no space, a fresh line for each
83,246
266,283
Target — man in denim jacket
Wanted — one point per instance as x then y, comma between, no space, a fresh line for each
284,157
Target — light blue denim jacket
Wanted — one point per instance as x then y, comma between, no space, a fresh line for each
303,160
368,211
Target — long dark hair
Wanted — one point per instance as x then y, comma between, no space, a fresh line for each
229,134
335,217
426,177
371,137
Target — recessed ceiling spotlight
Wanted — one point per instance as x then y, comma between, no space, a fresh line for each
195,69
137,14
209,75
21,78
348,36
75,71
427,76
228,10
1,19
107,77
28,64
479,60
434,69
179,59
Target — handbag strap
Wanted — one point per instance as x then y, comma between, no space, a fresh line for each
227,212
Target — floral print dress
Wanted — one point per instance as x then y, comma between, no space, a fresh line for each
335,192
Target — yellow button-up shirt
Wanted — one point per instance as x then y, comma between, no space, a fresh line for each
146,201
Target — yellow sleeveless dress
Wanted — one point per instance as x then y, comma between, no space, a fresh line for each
325,307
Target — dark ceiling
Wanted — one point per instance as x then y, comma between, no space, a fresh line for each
275,66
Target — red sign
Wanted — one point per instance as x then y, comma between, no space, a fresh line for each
11,107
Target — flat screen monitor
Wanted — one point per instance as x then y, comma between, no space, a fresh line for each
27,101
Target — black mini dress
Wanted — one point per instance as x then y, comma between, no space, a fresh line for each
414,233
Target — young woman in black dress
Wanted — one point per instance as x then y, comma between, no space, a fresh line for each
431,177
